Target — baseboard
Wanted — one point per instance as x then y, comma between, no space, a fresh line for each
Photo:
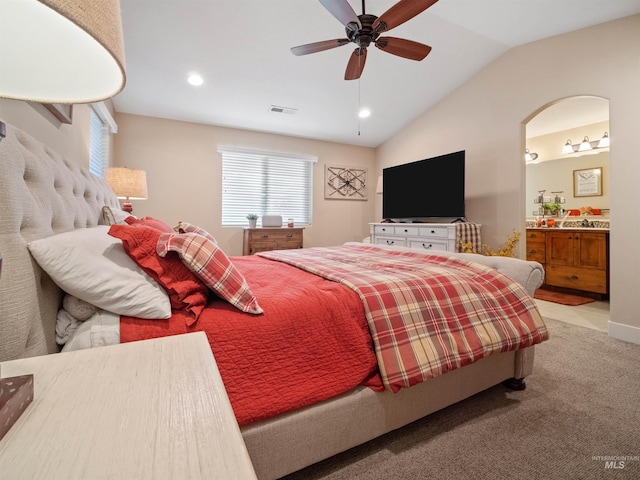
623,332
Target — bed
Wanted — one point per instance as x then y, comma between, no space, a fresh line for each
44,196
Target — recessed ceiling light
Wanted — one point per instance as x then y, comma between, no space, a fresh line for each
195,79
364,113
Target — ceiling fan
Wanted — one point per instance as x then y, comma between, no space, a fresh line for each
365,29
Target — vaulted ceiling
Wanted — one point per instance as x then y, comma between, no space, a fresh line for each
241,48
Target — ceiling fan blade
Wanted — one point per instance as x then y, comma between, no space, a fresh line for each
319,46
343,12
403,48
356,64
401,12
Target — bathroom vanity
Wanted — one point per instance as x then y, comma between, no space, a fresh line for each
574,258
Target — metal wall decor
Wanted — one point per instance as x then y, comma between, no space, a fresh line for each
345,183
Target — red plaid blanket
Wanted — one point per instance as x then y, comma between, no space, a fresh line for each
428,314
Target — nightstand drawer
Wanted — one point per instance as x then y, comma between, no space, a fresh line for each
282,235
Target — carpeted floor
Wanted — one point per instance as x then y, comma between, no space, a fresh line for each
581,403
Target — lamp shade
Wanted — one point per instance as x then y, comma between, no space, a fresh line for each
61,51
127,183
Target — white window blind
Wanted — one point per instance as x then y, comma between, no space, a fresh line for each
98,145
101,126
265,183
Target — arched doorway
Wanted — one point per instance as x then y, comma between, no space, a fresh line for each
557,170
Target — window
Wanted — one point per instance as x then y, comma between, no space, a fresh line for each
101,127
265,183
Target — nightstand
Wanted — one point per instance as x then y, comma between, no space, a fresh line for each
271,238
153,409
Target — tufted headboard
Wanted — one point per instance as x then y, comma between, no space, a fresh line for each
41,194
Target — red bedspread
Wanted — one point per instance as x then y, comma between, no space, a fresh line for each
311,343
428,314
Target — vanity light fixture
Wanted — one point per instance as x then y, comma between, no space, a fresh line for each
528,157
586,144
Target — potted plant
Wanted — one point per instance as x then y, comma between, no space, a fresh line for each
551,208
253,220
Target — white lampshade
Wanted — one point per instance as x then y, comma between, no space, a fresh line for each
604,141
529,157
61,51
568,147
585,145
127,182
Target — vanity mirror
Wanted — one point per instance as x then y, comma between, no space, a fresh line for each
569,120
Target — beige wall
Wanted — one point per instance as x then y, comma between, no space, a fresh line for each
184,176
486,117
70,141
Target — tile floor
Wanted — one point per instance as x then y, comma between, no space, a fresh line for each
593,315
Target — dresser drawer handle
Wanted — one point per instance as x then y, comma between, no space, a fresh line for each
573,277
390,242
289,235
265,236
532,251
384,229
532,235
406,231
424,245
433,231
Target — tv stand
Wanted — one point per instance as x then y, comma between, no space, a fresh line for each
425,236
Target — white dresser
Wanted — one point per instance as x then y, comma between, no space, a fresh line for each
427,236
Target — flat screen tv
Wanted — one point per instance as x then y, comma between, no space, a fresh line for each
424,190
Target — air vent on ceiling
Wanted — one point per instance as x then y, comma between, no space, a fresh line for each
277,109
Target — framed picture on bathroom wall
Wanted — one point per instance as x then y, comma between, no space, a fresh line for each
587,182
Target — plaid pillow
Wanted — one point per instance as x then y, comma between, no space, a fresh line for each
212,266
184,227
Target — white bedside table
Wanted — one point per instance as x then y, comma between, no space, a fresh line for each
144,410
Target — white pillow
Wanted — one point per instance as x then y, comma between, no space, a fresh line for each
93,266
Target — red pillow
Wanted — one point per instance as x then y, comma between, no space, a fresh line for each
185,290
149,222
212,266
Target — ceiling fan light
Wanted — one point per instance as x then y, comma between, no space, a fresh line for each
568,147
604,141
364,113
585,145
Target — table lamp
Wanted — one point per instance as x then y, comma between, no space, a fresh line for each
56,51
127,183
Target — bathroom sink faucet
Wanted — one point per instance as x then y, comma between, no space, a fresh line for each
564,218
